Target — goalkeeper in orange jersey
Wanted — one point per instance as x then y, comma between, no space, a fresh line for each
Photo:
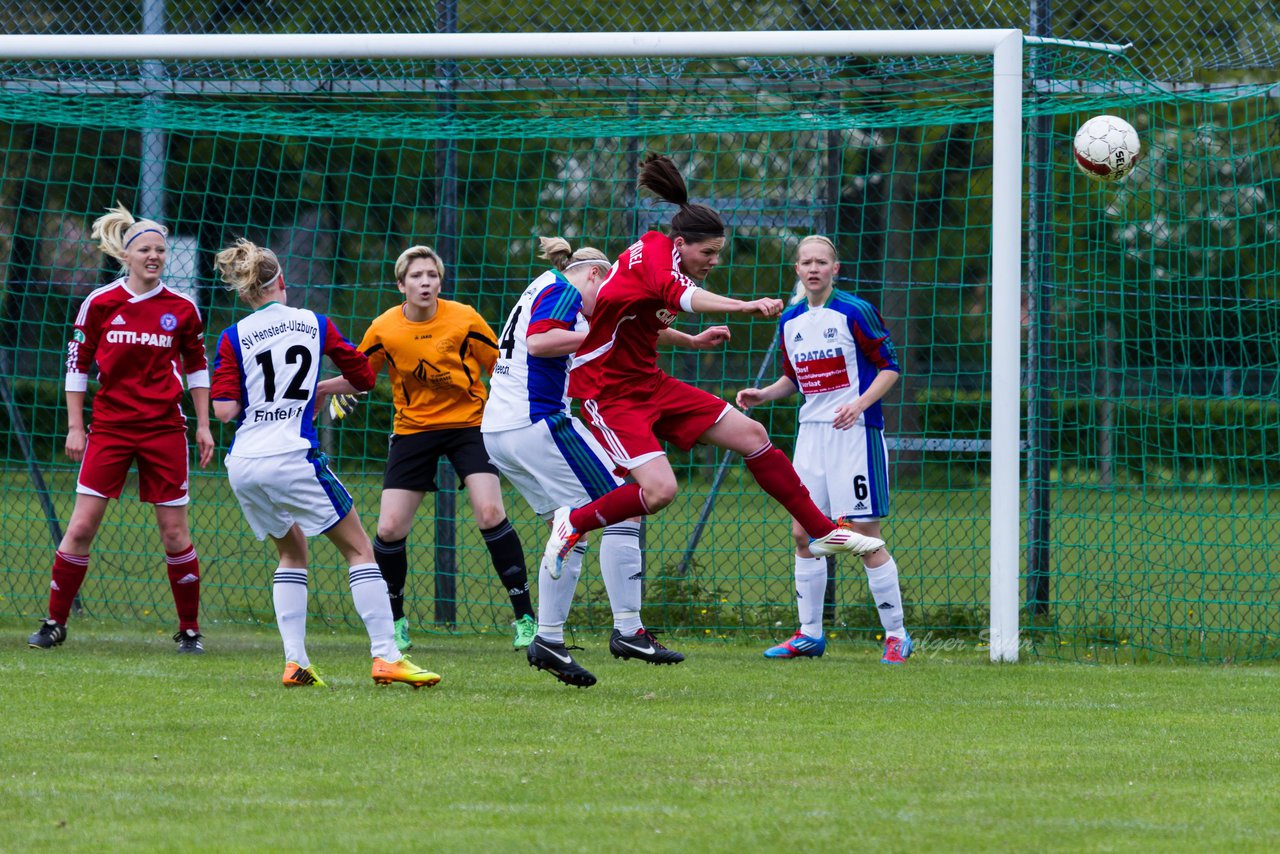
435,351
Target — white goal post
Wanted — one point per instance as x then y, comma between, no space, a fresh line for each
1004,45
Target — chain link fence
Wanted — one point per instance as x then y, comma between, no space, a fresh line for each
239,151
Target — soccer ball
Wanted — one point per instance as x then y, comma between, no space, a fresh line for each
1107,147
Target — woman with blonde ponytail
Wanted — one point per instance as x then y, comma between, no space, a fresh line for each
137,331
633,407
264,378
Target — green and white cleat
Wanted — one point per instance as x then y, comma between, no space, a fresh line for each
402,635
526,631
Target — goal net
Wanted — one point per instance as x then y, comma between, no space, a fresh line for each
1149,371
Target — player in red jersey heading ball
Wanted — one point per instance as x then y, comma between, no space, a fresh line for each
632,407
137,331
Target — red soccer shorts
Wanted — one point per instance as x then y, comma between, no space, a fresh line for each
162,465
632,426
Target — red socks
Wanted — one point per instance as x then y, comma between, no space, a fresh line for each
68,575
769,466
617,506
776,476
184,581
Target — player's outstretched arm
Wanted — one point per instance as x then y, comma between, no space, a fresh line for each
344,393
345,396
336,385
749,397
708,339
705,302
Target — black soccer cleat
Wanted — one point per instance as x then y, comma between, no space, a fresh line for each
644,646
49,635
556,660
189,641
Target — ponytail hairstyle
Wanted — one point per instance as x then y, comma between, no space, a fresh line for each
562,257
117,228
412,254
695,223
820,239
247,269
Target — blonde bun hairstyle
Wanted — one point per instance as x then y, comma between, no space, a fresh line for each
561,255
247,269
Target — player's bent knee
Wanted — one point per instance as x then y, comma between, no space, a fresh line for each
178,542
73,546
82,528
489,515
755,433
389,532
175,535
659,495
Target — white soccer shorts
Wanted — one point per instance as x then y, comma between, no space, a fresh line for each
554,463
846,471
277,491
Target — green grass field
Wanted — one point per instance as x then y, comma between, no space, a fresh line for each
113,742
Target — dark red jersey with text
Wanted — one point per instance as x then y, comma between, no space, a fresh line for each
643,295
143,346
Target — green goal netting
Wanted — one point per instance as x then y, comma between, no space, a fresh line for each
1150,317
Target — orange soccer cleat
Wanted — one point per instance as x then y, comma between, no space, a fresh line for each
385,672
297,676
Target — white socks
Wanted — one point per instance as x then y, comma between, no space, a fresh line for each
289,595
555,595
811,592
887,596
622,568
370,594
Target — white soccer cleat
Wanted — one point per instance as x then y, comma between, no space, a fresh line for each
562,540
844,541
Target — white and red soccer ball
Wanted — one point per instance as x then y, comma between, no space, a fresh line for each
1106,148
